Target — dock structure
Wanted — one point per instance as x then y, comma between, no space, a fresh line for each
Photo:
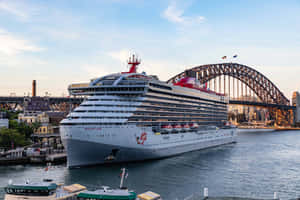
207,197
37,159
58,157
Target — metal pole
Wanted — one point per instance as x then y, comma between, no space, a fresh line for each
224,84
219,84
229,87
237,90
233,88
246,88
242,89
122,177
215,88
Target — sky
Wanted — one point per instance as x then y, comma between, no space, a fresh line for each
59,42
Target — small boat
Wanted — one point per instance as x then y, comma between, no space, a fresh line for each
186,127
149,196
105,193
194,125
177,127
45,190
167,128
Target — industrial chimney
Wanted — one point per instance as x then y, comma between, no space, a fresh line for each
34,88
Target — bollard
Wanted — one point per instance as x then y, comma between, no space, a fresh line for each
275,195
205,192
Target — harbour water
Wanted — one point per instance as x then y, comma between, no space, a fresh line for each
258,165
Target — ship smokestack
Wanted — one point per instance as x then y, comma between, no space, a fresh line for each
34,88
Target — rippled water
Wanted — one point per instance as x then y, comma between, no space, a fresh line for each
258,165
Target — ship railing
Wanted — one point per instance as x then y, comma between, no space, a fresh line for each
78,85
107,92
132,83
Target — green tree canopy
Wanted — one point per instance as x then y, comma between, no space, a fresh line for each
11,137
22,128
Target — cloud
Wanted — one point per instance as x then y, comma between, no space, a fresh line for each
18,9
11,45
173,14
20,61
96,70
121,55
164,69
176,15
61,34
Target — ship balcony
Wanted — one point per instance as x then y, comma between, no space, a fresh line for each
109,90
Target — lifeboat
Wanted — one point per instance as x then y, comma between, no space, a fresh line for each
177,127
186,127
167,128
194,125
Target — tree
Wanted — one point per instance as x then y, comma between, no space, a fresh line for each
13,124
12,138
25,129
21,127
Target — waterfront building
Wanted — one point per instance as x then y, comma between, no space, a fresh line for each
296,102
48,121
47,133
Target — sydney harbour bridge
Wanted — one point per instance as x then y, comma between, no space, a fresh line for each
243,85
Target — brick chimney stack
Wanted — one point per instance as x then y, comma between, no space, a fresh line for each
34,88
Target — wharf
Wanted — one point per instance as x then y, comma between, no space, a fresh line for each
56,158
205,196
232,198
14,161
198,197
229,198
41,159
275,128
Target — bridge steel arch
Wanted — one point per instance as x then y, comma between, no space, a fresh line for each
257,82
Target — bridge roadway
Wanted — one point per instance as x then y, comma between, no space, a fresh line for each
52,100
77,100
261,104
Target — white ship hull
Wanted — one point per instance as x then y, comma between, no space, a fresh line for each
125,115
91,145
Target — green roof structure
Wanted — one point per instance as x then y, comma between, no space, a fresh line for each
51,186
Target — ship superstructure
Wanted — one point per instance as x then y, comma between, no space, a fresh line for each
133,116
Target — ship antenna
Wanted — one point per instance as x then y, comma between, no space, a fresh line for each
134,62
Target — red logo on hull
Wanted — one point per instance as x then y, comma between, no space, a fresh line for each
142,139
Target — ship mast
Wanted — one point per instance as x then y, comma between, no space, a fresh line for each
134,62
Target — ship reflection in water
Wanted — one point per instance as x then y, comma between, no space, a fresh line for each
258,165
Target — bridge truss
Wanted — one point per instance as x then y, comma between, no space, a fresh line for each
249,79
244,86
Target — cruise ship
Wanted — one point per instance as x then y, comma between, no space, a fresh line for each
131,116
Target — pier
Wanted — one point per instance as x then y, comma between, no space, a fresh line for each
205,196
57,158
